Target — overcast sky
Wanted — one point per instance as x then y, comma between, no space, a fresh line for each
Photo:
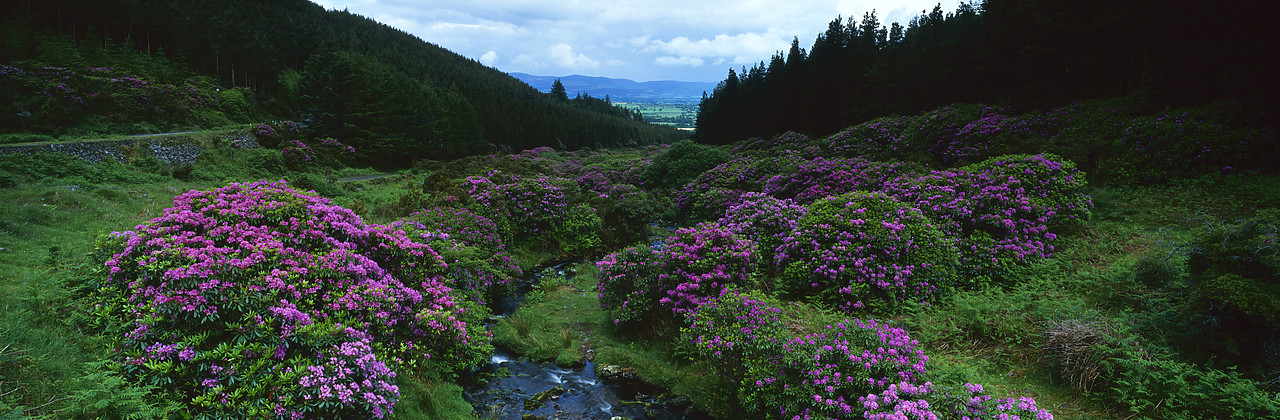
687,40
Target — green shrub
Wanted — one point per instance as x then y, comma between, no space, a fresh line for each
578,231
1156,148
681,164
1157,270
1237,265
43,165
626,221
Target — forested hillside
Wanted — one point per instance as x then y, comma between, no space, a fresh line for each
342,75
1025,54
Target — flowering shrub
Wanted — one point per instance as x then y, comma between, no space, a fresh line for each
928,401
743,173
264,130
699,262
738,334
628,285
788,142
329,152
944,136
821,373
765,220
821,177
878,139
850,370
865,249
460,225
1049,184
655,286
477,261
533,204
296,153
1000,209
249,300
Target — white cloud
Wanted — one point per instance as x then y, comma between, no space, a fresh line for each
742,48
490,58
526,60
668,61
564,56
636,39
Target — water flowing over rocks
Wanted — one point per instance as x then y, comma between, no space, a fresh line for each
514,387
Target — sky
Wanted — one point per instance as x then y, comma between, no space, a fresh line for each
685,40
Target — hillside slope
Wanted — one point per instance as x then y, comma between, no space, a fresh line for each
347,76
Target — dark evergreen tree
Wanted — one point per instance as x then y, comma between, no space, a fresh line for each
558,92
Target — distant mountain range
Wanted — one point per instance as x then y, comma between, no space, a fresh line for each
623,90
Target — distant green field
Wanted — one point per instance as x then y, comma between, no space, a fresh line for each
676,115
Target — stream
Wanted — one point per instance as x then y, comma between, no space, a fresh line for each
514,387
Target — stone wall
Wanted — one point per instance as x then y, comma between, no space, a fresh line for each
173,149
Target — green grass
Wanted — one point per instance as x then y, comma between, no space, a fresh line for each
46,235
677,115
996,336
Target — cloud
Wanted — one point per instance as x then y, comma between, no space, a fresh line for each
668,61
742,48
526,60
490,58
564,56
636,39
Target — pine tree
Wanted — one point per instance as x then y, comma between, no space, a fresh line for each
558,92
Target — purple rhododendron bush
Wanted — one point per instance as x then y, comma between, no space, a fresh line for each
865,250
849,369
656,287
255,300
477,262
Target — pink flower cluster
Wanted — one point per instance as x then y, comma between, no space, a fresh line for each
865,249
1000,210
821,177
260,271
532,203
699,262
352,375
641,284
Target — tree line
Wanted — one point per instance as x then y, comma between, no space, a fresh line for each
1010,52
